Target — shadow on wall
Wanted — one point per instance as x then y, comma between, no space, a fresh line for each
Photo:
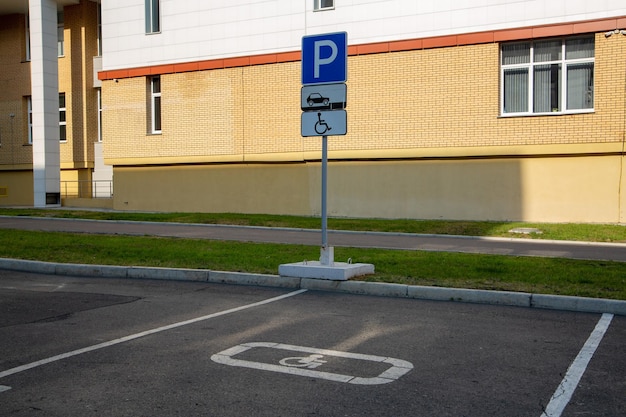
547,189
428,189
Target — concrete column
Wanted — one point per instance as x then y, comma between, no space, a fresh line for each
45,102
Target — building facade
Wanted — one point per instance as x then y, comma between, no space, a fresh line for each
479,110
49,100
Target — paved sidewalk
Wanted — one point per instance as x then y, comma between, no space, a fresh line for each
406,241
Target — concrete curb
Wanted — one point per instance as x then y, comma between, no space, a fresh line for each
504,298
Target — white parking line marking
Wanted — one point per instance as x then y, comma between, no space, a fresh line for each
66,355
304,365
4,388
566,388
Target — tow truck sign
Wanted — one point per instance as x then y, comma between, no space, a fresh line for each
323,97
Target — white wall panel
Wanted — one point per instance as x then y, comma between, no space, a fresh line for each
193,30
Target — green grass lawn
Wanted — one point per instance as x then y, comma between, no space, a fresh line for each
495,272
556,231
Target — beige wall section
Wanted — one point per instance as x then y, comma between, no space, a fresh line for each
587,189
441,189
220,188
16,188
581,189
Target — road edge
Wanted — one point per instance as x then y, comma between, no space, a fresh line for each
504,298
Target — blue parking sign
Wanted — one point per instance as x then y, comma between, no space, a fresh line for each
325,58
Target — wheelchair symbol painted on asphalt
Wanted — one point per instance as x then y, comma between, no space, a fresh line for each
310,362
317,364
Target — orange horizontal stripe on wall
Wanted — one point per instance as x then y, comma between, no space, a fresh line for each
504,35
212,64
406,45
243,61
555,30
371,48
475,38
263,59
186,67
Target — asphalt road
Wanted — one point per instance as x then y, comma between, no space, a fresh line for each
500,246
73,346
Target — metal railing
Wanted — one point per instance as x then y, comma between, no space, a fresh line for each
87,189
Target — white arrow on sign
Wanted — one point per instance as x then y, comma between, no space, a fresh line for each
324,123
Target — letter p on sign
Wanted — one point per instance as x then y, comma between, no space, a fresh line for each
325,58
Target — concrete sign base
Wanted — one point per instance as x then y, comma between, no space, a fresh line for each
337,271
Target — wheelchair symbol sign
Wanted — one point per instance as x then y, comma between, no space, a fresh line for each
324,123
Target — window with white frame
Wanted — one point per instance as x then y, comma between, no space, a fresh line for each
153,22
29,115
27,38
99,98
62,118
60,34
323,4
155,104
548,76
99,34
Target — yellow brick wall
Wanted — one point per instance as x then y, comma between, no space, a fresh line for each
272,109
415,100
14,88
610,88
76,81
124,118
16,178
201,116
231,112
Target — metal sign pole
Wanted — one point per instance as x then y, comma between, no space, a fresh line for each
324,192
327,253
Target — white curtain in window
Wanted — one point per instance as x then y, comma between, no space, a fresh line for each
516,90
547,51
546,88
580,86
516,79
541,92
580,48
517,53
